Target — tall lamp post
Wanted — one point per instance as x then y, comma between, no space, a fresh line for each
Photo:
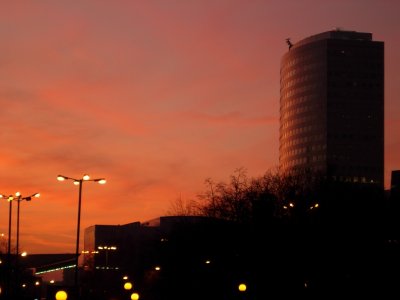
19,198
79,182
8,282
10,200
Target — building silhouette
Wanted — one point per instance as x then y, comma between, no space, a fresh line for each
395,185
170,257
332,107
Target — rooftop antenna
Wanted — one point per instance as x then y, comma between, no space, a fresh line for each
289,43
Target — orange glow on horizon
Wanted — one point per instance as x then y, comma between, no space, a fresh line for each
152,102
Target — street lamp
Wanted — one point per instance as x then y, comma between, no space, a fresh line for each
9,198
8,282
79,182
18,197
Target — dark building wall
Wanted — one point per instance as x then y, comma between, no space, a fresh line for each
332,106
395,185
355,110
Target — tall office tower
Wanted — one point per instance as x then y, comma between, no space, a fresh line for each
332,106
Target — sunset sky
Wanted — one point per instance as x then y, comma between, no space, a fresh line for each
155,96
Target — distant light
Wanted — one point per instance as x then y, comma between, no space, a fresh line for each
76,182
291,204
17,194
101,181
316,205
86,177
60,178
157,268
24,285
61,295
125,278
135,296
52,281
242,287
23,254
37,283
128,286
208,262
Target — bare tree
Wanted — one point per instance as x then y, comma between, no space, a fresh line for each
181,207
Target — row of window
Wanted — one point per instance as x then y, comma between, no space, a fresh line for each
299,80
351,179
298,121
355,169
299,110
299,130
296,101
288,151
351,73
294,163
354,84
302,150
300,59
317,159
298,90
303,140
288,72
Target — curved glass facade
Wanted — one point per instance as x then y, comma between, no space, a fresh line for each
331,106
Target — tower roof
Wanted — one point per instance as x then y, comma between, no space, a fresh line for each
336,35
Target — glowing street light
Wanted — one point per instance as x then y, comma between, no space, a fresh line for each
9,198
61,295
242,287
128,286
79,182
18,197
135,296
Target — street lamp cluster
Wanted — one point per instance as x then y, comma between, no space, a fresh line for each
79,182
128,286
18,197
11,198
